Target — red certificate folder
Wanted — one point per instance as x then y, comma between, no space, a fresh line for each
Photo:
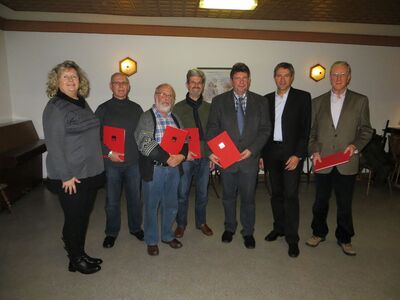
194,141
114,139
223,147
173,140
332,160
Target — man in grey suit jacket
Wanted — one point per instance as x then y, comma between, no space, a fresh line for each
340,122
243,114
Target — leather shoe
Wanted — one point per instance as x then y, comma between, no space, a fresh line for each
179,231
249,242
92,260
293,250
138,234
347,249
82,266
152,250
273,235
174,243
227,236
314,241
205,229
109,241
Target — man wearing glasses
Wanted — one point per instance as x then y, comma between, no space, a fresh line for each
340,123
160,170
122,169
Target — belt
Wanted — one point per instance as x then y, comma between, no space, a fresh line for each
277,142
160,164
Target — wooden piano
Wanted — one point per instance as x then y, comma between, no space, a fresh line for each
20,158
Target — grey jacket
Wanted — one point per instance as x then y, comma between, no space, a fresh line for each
150,150
72,136
257,126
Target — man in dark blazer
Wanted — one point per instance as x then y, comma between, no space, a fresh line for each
340,122
243,114
290,112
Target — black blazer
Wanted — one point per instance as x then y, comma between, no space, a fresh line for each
256,131
296,122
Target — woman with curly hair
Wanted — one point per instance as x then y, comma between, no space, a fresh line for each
74,162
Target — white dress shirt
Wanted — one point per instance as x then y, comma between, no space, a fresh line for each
280,102
336,106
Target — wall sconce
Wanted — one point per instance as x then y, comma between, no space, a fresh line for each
317,72
128,66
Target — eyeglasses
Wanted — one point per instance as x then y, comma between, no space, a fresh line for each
164,95
337,75
119,82
69,77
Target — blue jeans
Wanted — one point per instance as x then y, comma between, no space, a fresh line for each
161,192
119,177
198,169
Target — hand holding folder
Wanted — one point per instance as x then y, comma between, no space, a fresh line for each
173,140
332,160
223,147
114,139
194,142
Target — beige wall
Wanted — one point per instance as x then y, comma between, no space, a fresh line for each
166,59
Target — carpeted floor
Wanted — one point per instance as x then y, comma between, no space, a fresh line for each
33,264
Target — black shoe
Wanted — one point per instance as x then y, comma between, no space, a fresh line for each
138,234
109,241
293,250
92,260
82,266
227,236
249,242
273,235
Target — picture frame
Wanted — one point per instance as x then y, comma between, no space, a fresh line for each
218,81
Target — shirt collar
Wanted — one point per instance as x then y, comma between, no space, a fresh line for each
284,95
341,96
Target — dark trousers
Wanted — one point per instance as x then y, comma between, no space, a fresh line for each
343,186
244,184
284,199
77,208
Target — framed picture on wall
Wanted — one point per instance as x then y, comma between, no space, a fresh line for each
217,82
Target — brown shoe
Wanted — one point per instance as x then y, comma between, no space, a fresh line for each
347,249
205,229
152,250
314,241
179,231
175,244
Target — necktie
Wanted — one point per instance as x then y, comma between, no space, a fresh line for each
240,115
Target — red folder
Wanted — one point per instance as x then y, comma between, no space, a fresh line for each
223,147
332,160
173,140
114,139
194,141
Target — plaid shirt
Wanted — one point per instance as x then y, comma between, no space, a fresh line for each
244,102
162,123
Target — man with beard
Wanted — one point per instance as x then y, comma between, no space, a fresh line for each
193,112
160,170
